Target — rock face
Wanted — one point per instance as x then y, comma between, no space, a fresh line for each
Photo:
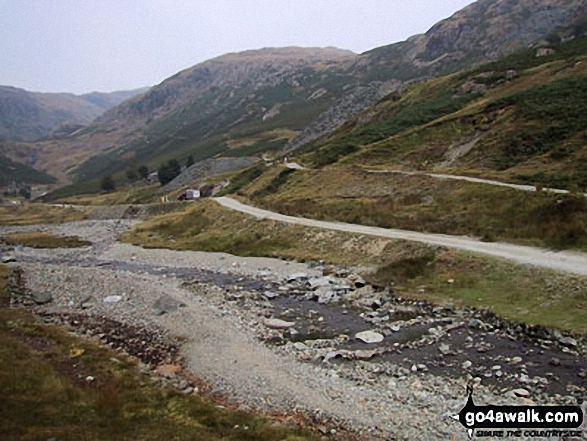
482,31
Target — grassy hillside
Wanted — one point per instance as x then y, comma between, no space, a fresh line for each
11,171
522,119
525,116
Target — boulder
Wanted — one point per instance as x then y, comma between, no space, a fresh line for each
320,281
327,295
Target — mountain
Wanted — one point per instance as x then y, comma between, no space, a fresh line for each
520,119
275,100
434,158
483,31
29,116
236,104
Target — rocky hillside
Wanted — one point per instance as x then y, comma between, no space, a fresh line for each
521,119
483,31
29,116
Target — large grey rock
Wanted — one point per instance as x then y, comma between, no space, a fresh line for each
166,305
320,281
297,277
8,259
568,341
519,393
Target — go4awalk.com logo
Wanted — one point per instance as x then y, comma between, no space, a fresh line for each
520,421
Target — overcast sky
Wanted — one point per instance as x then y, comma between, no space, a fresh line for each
85,45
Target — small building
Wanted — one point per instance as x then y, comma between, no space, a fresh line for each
189,195
153,177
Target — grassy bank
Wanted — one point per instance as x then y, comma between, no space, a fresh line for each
516,292
39,239
426,204
44,393
30,214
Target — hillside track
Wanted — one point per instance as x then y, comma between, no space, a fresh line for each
566,261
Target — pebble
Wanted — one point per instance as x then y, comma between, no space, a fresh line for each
275,323
520,393
369,337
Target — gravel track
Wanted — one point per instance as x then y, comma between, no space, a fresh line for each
567,261
471,179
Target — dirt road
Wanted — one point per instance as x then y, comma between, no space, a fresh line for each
567,261
471,179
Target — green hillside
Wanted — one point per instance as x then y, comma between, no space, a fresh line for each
524,115
522,119
11,171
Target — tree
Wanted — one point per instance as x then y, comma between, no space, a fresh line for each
144,171
131,175
168,172
190,161
108,184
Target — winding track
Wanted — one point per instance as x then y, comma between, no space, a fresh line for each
471,179
567,261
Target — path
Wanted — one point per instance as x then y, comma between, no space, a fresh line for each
568,261
471,179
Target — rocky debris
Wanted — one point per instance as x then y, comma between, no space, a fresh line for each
275,323
152,346
42,297
369,337
166,304
352,103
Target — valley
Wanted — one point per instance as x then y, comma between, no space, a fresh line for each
303,243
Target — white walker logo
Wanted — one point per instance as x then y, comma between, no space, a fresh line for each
515,421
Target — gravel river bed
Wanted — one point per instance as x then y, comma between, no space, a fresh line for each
286,337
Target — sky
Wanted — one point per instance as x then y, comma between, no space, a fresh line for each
81,46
